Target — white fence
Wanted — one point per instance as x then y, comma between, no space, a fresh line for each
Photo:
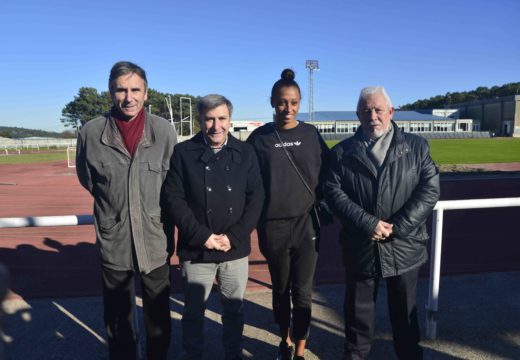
42,142
16,145
436,245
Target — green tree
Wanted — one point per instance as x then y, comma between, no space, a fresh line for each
456,97
156,104
5,134
87,105
482,92
508,89
479,93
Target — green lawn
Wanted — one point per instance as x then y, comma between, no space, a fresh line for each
472,151
33,157
444,152
475,151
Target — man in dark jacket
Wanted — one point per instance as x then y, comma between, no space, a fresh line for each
382,184
122,159
215,195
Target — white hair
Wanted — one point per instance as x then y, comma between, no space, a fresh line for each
371,90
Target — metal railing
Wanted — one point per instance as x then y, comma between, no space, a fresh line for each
36,221
436,246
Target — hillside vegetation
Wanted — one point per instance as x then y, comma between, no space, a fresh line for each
480,93
18,132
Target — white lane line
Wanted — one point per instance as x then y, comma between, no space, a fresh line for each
80,323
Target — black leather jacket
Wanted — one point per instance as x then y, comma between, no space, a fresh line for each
403,193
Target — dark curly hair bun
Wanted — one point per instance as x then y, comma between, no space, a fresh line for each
286,79
288,74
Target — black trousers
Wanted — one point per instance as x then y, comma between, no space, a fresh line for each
359,307
118,300
289,246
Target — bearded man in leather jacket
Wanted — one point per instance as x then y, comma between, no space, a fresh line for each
382,184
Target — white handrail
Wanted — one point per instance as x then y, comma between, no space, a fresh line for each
436,246
67,220
476,203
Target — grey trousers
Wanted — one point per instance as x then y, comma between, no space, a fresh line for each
198,280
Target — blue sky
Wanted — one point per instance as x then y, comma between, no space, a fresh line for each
415,48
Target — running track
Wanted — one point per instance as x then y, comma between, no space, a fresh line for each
63,261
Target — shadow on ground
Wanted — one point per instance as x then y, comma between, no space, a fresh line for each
478,319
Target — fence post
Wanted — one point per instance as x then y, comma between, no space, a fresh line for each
435,274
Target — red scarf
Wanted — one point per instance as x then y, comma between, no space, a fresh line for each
131,131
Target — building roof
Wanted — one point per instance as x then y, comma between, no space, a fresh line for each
351,116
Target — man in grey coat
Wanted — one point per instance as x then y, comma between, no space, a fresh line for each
122,160
382,184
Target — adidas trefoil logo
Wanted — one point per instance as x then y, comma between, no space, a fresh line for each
296,143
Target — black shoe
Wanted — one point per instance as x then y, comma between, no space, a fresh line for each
298,357
285,351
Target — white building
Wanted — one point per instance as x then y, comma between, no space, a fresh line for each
346,122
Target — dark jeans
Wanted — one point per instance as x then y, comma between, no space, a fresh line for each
359,307
289,245
118,300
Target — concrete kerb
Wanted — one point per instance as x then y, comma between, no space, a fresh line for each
478,320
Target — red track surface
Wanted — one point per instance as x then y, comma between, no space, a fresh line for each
63,261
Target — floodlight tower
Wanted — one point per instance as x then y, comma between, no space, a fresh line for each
312,65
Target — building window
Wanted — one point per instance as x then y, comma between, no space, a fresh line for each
341,128
344,127
442,127
420,127
325,128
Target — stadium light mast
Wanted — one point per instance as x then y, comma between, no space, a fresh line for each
312,65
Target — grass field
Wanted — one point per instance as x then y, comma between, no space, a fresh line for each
472,151
475,151
444,152
30,158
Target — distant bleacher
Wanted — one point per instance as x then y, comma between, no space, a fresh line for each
426,135
455,135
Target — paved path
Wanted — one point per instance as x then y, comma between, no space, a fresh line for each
478,319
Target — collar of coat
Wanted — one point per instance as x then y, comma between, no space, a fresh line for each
233,146
354,146
112,137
